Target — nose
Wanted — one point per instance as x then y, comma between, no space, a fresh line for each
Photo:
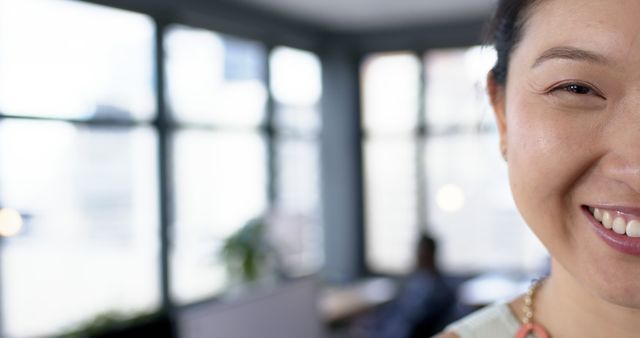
623,158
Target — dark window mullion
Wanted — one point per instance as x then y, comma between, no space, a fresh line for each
271,133
421,138
164,126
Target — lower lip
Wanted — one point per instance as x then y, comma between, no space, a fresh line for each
623,243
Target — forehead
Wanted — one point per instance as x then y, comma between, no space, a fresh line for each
608,27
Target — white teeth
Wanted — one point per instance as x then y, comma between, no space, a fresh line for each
597,213
633,229
619,226
607,221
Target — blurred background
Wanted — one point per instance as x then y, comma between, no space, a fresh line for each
204,168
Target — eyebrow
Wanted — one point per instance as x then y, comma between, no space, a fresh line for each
570,53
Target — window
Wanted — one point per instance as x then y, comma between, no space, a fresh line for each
89,196
390,101
214,79
80,146
216,82
221,184
80,61
296,86
234,160
85,177
432,164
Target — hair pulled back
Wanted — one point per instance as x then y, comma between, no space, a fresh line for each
505,32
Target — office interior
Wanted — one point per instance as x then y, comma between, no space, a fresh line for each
246,168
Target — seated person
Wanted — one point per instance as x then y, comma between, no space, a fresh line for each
424,306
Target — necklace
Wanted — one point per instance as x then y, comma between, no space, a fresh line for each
528,325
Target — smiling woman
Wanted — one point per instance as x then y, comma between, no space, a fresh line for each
565,95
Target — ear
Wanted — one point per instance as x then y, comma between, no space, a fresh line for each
496,93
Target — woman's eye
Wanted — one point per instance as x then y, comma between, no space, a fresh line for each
577,89
577,94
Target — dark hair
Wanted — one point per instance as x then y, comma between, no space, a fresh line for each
505,32
426,253
428,243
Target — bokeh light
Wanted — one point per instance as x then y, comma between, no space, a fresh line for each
450,197
10,222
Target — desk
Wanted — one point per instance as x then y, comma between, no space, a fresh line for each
491,288
340,303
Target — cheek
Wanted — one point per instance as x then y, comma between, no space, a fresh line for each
537,147
547,157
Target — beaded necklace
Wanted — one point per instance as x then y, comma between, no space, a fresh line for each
528,325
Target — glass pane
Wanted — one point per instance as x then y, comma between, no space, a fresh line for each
391,203
295,77
297,121
75,60
471,209
89,244
296,83
296,228
215,79
456,88
390,88
221,183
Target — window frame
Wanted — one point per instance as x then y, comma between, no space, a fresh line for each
420,135
164,125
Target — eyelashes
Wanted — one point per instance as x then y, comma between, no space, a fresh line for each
576,88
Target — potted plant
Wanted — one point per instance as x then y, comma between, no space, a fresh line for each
247,253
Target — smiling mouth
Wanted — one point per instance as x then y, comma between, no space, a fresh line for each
616,221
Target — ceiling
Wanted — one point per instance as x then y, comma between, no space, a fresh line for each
367,15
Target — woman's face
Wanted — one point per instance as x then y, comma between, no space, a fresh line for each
569,119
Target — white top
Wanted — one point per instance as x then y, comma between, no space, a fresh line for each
495,321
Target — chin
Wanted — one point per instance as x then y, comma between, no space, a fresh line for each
615,282
622,293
